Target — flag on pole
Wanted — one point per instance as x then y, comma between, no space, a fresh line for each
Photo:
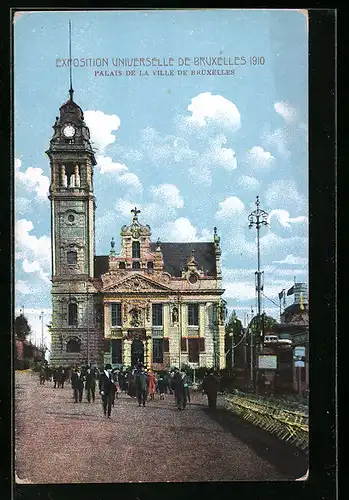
282,294
301,305
290,291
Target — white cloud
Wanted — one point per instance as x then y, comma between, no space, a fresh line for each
101,128
288,113
279,139
165,150
120,172
39,248
284,218
131,180
206,107
123,207
22,205
216,155
285,192
107,165
258,158
33,180
168,194
33,267
293,260
247,182
180,230
24,287
229,207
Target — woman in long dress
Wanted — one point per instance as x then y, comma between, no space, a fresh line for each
151,384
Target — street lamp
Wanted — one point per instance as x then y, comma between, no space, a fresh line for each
258,218
42,329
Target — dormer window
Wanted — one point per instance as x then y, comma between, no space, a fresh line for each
122,265
136,265
136,250
150,266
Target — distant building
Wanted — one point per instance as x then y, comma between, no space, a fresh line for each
295,323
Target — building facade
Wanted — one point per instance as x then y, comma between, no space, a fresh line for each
158,303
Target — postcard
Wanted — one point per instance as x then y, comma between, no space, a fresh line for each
161,224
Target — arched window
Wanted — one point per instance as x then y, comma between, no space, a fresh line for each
150,266
136,265
72,314
71,257
136,250
122,265
73,345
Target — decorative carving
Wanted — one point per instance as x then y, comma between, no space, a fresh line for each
174,315
136,315
134,284
136,335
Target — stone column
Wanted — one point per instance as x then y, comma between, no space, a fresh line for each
149,351
222,359
126,352
202,320
107,321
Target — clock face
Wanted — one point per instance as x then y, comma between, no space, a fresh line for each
69,131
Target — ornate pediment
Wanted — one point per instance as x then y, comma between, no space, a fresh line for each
136,284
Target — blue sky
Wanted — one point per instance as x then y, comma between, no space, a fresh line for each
192,152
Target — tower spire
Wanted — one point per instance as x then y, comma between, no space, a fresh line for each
71,91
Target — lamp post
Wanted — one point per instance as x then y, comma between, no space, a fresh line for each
179,329
258,218
42,329
88,339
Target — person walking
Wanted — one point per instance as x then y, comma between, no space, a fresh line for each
178,387
106,390
186,383
141,386
161,386
166,381
90,385
151,382
210,387
77,382
42,375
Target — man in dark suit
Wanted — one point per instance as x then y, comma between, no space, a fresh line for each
179,390
90,384
141,386
106,389
77,383
210,387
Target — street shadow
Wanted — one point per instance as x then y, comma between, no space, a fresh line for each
290,461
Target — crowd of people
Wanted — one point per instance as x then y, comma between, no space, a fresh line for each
137,382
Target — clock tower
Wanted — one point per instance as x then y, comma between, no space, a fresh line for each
76,324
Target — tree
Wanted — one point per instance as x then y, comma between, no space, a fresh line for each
22,327
233,337
233,328
265,323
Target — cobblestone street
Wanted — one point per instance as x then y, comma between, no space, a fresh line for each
59,441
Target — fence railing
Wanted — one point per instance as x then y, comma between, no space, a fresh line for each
290,426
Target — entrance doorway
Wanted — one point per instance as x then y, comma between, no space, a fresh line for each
137,352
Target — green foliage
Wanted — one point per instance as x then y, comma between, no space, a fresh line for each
234,328
22,327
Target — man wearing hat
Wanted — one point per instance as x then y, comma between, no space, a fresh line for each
106,389
141,386
210,387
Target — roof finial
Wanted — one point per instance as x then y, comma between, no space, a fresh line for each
71,91
135,211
